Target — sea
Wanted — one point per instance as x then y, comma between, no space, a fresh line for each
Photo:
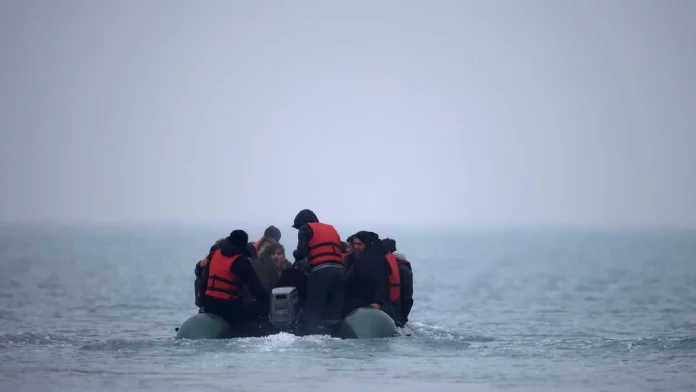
94,308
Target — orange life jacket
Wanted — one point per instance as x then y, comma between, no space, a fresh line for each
257,243
325,245
222,283
394,278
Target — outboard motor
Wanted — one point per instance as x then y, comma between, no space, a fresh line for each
285,308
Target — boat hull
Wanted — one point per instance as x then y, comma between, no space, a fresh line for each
361,323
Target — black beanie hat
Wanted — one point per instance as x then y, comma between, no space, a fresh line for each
272,232
238,238
390,244
367,237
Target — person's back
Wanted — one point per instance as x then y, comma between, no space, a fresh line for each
406,280
201,273
265,270
320,243
297,278
229,269
406,275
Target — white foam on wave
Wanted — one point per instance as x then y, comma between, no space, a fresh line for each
282,342
279,342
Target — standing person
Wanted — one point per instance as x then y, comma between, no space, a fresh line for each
321,245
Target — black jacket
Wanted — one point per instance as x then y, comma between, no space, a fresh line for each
201,282
406,291
368,281
304,233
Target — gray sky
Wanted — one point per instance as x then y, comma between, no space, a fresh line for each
551,112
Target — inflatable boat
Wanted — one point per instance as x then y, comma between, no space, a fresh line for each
284,316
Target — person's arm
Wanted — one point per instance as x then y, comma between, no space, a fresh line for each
380,280
304,234
406,291
245,271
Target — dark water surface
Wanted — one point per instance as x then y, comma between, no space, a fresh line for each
533,310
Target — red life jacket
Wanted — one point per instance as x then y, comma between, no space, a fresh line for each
394,278
257,243
222,283
325,245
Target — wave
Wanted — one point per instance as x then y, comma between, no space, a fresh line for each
424,334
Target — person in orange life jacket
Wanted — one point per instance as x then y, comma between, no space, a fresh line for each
229,269
270,236
368,284
201,273
320,243
406,277
394,279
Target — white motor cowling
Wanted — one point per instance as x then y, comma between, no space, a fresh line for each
285,309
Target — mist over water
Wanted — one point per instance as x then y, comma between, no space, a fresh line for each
473,112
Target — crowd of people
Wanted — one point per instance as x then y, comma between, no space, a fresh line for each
333,277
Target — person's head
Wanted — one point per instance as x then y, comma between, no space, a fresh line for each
362,240
272,234
218,244
344,247
349,242
390,244
303,217
238,238
357,246
276,252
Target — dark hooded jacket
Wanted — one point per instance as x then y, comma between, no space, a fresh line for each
368,282
304,233
201,273
266,269
406,275
244,270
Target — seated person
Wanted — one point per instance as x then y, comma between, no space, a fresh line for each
406,280
270,236
368,283
269,264
229,269
201,273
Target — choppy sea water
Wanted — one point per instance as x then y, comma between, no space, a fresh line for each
533,310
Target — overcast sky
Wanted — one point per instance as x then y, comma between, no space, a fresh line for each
521,112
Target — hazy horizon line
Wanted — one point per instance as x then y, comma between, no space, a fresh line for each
373,226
